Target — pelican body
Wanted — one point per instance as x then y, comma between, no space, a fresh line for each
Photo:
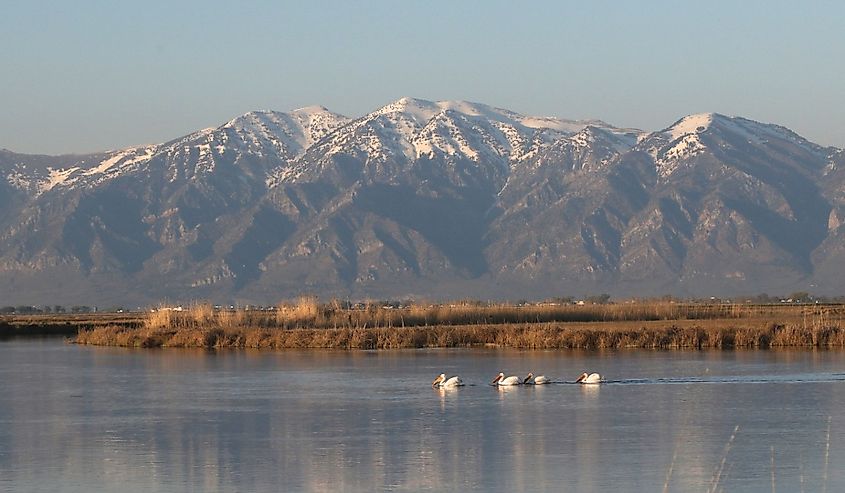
442,382
538,380
591,378
501,379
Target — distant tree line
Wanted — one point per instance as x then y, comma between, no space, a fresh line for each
759,299
33,310
596,299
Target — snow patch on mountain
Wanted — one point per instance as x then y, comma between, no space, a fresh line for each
686,147
444,136
616,140
590,149
834,160
421,111
123,158
290,134
58,177
409,129
690,124
108,163
414,111
318,122
19,179
754,132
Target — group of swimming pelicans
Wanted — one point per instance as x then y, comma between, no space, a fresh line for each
442,382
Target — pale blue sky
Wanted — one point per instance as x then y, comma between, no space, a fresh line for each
79,76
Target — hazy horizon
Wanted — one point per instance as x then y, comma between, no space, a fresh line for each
95,76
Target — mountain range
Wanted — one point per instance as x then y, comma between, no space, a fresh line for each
425,199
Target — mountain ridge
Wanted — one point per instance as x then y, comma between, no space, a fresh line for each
426,199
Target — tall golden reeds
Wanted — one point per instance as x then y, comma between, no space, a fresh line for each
304,312
307,312
308,323
524,335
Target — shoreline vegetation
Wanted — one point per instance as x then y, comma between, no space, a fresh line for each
65,324
652,325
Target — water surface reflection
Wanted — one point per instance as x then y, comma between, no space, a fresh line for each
82,419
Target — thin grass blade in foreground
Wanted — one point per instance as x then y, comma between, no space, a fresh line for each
718,474
826,456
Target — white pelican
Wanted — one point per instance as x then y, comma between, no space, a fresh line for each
538,380
591,378
442,381
502,380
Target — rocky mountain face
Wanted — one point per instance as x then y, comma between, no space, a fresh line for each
428,200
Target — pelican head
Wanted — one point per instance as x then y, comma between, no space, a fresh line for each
581,378
440,378
528,378
498,377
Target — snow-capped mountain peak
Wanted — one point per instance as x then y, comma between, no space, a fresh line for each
410,128
690,124
753,131
716,134
290,133
314,109
419,111
422,111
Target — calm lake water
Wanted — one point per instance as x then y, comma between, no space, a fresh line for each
107,419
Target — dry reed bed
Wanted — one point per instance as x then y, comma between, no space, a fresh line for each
308,324
526,336
308,313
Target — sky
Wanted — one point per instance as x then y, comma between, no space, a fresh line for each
83,76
